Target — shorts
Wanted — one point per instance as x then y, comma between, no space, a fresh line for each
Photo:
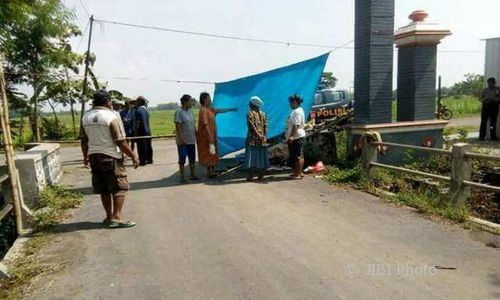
296,150
108,175
188,151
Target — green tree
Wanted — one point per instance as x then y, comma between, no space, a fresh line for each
471,86
36,45
328,81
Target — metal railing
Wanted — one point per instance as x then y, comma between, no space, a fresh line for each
461,169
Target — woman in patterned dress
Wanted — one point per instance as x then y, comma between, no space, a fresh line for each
256,156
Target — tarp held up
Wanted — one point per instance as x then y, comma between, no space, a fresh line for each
273,87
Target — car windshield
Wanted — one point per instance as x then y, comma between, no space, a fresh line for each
331,96
318,99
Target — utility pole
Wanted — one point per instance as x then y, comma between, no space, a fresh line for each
9,153
87,60
439,90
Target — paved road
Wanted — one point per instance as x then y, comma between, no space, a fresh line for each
280,240
469,121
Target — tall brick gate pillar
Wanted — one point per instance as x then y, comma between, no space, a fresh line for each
373,63
417,43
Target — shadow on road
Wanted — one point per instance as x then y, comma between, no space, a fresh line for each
240,176
495,280
77,226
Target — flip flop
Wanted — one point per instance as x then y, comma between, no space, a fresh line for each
120,224
106,222
195,178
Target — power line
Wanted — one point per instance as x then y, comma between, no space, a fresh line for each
248,39
78,76
229,37
83,35
85,8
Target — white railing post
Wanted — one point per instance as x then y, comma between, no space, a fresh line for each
460,170
368,155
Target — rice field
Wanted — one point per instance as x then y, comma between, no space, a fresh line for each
461,107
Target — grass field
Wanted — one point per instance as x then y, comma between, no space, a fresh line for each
462,107
161,121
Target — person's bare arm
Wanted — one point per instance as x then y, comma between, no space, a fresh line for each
120,140
84,145
295,129
125,148
206,128
224,110
85,150
178,132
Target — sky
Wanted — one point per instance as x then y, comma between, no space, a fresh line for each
146,57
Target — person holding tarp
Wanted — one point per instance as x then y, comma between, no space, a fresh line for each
256,157
295,136
206,138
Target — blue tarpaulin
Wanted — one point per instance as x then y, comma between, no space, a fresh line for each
273,87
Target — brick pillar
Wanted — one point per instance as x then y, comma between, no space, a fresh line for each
374,26
417,83
417,43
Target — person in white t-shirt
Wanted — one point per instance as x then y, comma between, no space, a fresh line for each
295,136
103,142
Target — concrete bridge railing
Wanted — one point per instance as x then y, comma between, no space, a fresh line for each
461,169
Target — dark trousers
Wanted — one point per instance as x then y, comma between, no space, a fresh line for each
145,150
489,112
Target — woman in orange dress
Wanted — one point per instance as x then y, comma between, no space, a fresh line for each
207,140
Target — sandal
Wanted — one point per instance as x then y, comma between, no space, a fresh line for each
194,178
106,222
120,224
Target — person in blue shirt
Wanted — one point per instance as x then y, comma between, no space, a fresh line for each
142,129
128,119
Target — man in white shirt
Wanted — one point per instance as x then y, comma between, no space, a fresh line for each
295,136
103,141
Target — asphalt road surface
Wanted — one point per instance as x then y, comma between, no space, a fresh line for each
279,240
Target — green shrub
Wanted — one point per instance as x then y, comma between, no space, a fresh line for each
59,197
343,175
55,130
404,189
463,106
53,200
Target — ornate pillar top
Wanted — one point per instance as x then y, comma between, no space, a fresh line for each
419,32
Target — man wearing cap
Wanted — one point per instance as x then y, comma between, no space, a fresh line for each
490,99
102,142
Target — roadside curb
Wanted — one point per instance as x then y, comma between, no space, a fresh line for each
3,271
487,225
14,252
